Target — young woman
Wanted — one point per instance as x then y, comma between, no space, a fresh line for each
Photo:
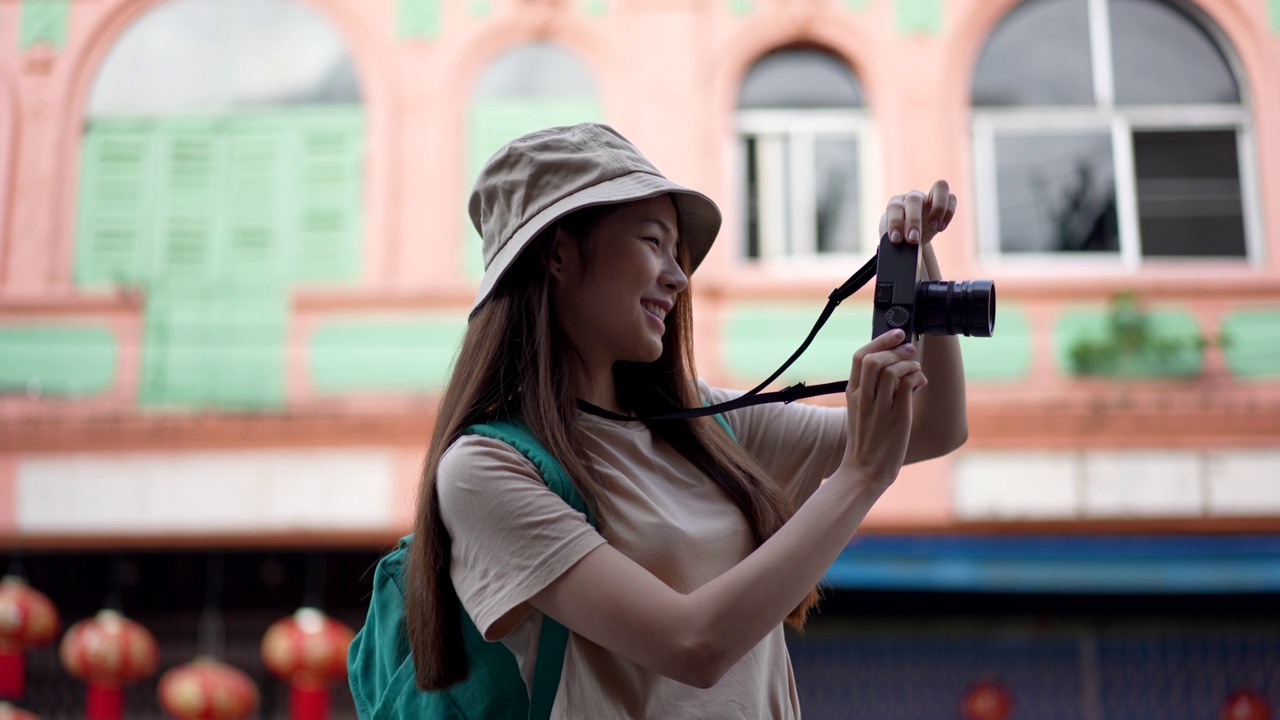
707,541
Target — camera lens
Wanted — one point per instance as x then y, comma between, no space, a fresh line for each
967,307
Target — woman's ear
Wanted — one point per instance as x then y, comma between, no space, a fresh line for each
562,246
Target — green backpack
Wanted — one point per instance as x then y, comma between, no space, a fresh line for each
380,668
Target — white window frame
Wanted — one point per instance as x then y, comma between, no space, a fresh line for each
1122,122
795,242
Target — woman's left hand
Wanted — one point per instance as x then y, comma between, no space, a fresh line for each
916,217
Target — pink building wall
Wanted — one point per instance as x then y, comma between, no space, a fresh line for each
668,73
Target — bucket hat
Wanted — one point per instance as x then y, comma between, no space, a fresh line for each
536,179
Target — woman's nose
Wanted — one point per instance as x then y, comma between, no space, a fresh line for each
673,277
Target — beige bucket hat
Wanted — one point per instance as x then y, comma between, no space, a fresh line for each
539,178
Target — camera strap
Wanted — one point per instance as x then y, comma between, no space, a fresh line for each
755,396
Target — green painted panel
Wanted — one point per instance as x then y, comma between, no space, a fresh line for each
741,8
193,178
1174,348
418,19
919,16
758,337
66,361
399,353
214,346
493,124
1253,343
596,8
1006,355
44,22
1273,11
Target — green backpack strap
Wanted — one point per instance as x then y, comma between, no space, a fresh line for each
555,636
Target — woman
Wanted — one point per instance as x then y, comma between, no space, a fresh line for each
708,541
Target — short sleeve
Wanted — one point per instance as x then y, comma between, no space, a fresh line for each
798,444
511,535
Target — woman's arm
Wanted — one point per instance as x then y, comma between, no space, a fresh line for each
941,419
696,637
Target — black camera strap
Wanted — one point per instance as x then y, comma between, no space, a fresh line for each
755,396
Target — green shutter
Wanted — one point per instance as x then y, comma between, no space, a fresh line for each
327,168
191,201
214,345
493,124
68,361
118,185
44,22
255,246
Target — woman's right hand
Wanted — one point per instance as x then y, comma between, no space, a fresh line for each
884,378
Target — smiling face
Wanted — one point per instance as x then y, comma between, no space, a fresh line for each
612,303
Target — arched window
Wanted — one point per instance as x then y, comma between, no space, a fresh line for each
804,139
221,164
529,87
1110,128
224,139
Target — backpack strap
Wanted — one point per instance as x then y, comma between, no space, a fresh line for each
554,636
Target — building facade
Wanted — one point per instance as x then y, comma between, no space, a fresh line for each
235,261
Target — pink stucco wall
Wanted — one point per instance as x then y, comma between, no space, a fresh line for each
668,73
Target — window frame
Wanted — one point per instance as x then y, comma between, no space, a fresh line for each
798,125
1121,122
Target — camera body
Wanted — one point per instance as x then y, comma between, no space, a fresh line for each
927,307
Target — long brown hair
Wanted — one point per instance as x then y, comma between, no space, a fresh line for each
516,362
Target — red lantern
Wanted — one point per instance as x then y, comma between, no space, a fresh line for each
986,700
27,619
1245,704
205,689
9,712
309,649
108,651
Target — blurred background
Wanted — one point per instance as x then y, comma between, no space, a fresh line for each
235,266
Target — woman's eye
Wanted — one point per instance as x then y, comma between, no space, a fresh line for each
654,240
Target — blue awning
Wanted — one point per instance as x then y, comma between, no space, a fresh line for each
1061,564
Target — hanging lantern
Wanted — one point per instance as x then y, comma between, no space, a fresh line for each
27,619
309,649
205,689
986,700
9,712
108,651
1245,704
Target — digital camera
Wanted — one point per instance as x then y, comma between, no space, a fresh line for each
927,307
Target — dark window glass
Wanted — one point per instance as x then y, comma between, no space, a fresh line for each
753,196
1162,56
1039,55
1189,194
836,168
800,79
538,70
1056,192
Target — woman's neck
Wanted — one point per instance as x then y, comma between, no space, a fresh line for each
600,389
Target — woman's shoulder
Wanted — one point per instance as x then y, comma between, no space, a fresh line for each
474,462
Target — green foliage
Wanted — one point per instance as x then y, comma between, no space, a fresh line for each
1134,343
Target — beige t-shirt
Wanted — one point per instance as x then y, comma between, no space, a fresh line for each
512,537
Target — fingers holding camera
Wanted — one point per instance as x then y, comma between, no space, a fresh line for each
879,405
917,217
